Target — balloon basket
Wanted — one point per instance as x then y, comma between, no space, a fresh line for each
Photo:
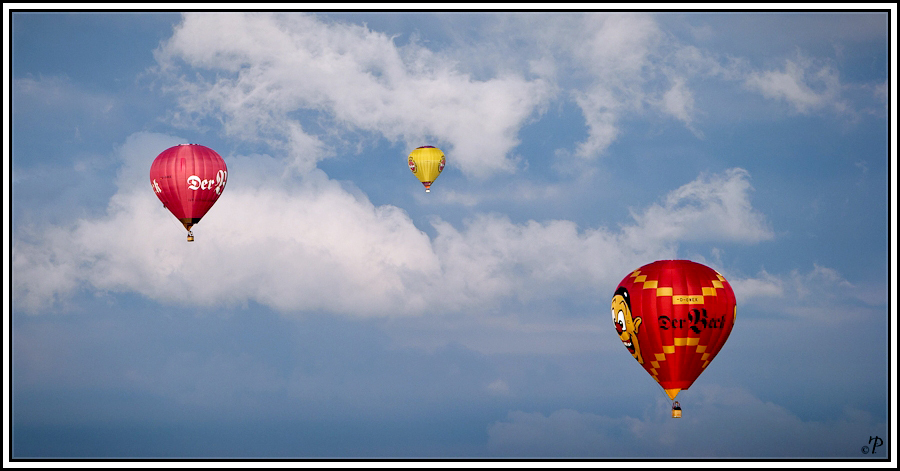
676,410
190,237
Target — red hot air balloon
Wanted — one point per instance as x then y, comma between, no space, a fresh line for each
673,317
188,179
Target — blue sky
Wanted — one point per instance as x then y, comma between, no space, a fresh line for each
330,308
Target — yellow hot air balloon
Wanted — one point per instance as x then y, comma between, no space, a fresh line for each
426,163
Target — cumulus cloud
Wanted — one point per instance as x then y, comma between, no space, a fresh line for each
306,246
707,430
493,255
712,207
614,54
262,75
309,244
264,71
265,68
318,246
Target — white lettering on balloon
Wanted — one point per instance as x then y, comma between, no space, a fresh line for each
196,183
220,181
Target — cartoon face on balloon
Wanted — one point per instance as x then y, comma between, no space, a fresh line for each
626,325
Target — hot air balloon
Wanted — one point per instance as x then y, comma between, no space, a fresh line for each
188,179
426,163
673,317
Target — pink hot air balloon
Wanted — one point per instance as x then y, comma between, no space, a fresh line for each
188,179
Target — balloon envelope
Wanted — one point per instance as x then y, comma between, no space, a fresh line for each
188,179
426,163
674,316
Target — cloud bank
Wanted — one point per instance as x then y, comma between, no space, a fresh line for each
297,241
765,430
309,244
258,74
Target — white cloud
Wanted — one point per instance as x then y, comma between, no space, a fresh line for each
806,86
611,71
615,54
312,245
712,207
307,247
601,113
763,286
267,67
492,256
260,74
678,101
